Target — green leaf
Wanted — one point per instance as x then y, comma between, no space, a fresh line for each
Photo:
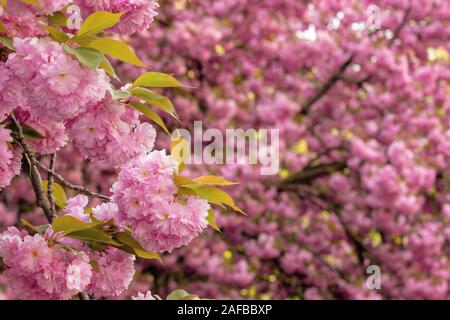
38,229
35,3
177,295
2,28
87,56
149,113
96,246
58,18
58,193
107,66
128,240
7,42
180,151
57,34
215,196
69,224
96,23
120,94
212,220
182,181
94,265
156,100
213,180
186,191
117,49
181,295
157,80
93,234
29,133
84,41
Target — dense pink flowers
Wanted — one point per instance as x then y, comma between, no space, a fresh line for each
38,271
114,274
9,159
75,207
53,132
110,132
19,18
10,91
138,14
50,78
146,197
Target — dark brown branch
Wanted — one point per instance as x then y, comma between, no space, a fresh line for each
308,174
50,195
60,179
327,86
35,177
358,82
361,250
340,72
400,27
36,180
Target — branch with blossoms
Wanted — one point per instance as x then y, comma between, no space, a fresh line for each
56,89
339,74
80,189
35,176
362,251
310,173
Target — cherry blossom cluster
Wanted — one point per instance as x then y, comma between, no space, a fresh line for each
24,19
37,270
147,200
57,94
9,161
110,132
137,14
40,267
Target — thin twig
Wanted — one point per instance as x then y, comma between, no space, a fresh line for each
361,250
400,27
327,85
308,174
60,179
340,72
35,177
50,195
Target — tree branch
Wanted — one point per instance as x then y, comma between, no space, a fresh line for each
60,179
35,177
327,86
400,27
36,181
361,250
50,195
310,173
340,72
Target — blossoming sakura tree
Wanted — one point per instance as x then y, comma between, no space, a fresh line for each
359,91
56,89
